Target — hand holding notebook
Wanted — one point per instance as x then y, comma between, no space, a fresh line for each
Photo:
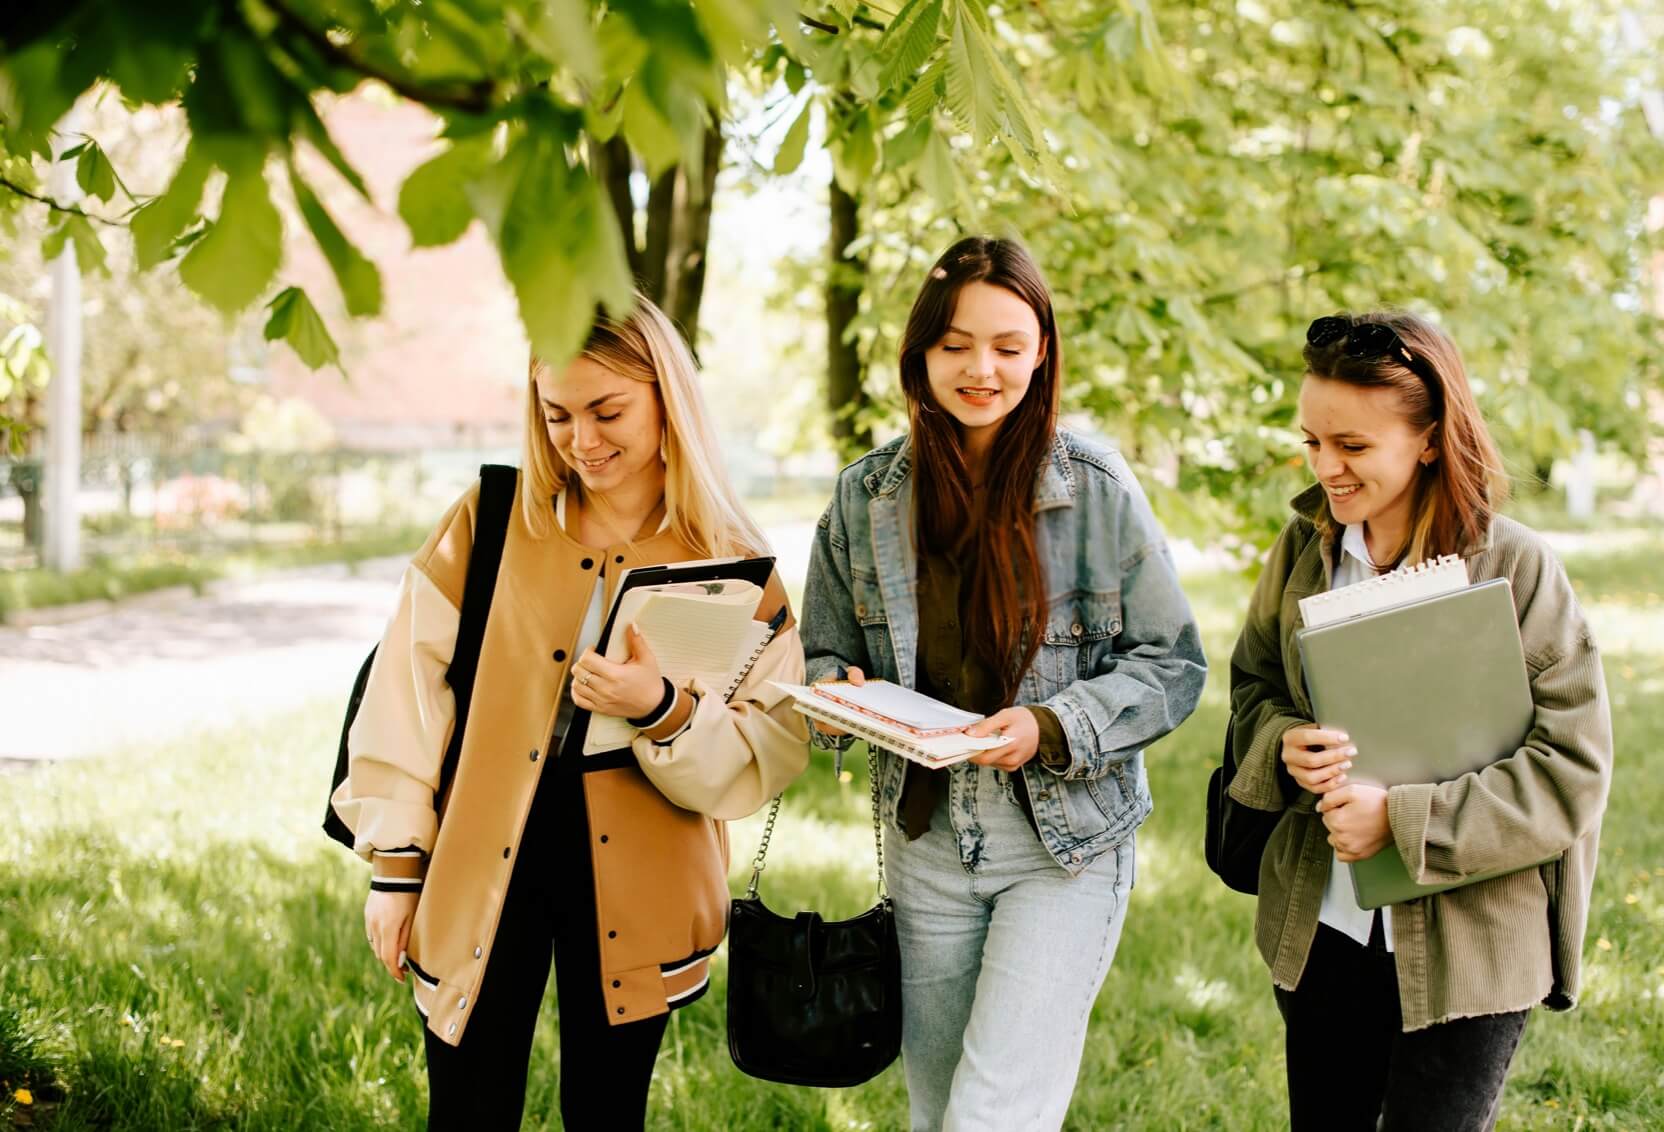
1426,674
704,630
908,723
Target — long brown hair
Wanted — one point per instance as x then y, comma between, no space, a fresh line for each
1457,493
1007,579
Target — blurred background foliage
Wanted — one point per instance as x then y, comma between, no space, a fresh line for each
1198,181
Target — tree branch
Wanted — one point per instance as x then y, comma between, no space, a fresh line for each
475,97
55,206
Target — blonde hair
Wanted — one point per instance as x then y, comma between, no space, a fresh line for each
700,502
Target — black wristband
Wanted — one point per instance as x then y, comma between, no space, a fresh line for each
658,713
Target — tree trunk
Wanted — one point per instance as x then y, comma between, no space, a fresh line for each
846,394
669,259
691,238
661,212
613,166
28,490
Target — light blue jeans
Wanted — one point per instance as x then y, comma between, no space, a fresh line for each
1001,959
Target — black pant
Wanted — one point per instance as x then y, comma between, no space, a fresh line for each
1350,1065
479,1085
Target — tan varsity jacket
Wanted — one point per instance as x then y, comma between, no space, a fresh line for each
661,878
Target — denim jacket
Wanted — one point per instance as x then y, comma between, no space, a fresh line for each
1121,663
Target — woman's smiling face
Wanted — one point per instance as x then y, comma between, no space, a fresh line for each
605,427
981,368
1363,450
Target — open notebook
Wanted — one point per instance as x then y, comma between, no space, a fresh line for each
908,723
701,631
1425,673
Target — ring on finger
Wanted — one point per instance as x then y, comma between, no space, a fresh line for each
583,678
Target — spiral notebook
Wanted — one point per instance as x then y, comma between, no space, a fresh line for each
891,734
700,629
1426,674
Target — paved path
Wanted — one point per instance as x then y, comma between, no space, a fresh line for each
143,673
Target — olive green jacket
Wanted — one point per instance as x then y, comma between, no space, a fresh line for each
1491,947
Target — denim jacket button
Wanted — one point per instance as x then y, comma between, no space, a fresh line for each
1076,629
1074,858
860,611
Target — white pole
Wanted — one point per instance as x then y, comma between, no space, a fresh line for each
63,394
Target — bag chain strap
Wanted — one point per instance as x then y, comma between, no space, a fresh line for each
757,862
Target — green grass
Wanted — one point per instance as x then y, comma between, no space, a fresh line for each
181,949
117,578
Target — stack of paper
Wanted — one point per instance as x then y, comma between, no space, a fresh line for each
897,719
700,630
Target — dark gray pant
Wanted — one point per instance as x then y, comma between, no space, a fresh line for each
1351,1066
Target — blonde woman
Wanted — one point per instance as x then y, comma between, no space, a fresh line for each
613,865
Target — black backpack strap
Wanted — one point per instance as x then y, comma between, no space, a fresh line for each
497,483
496,506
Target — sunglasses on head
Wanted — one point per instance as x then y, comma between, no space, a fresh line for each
1371,340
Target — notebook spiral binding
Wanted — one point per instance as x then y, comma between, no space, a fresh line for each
756,655
1406,584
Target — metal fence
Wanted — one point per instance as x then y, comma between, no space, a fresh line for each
136,499
141,497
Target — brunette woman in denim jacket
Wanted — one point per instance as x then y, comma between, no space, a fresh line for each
1001,564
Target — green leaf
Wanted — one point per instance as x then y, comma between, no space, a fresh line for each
902,149
359,280
650,132
603,261
565,33
93,171
732,27
927,92
75,229
937,174
433,201
35,94
855,151
968,63
790,154
232,263
909,41
795,76
156,225
296,321
542,246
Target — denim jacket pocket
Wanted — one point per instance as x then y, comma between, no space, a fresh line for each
870,614
1077,625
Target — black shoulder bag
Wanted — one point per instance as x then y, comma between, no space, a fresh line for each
497,483
1236,835
812,1002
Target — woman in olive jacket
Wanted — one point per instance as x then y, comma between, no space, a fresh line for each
615,863
1411,1015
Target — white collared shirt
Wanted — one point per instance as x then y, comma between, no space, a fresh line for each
1340,908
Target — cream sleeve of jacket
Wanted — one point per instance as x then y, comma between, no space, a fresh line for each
397,741
731,758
